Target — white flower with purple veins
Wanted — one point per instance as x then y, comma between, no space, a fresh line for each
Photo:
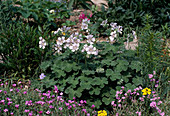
119,29
113,35
104,22
42,76
90,39
42,43
74,47
60,40
90,49
134,34
84,26
113,25
58,48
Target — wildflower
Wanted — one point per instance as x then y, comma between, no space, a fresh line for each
153,104
42,43
6,110
42,76
156,85
134,34
40,112
14,85
112,36
17,105
146,91
104,22
60,108
162,114
102,113
150,76
52,11
26,110
92,106
48,112
12,113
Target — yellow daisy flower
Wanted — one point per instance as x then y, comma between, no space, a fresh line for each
102,113
146,91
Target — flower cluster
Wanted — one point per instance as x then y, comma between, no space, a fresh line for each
136,98
38,103
42,43
84,25
83,16
114,29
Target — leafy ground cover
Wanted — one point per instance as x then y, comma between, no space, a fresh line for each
54,65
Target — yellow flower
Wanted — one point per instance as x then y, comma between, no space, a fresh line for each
63,33
146,91
52,31
102,113
13,19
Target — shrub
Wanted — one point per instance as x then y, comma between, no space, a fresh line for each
92,71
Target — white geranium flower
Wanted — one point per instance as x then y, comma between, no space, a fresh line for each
134,34
104,22
113,25
52,11
119,29
112,36
42,44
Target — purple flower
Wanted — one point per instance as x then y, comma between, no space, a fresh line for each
25,92
42,76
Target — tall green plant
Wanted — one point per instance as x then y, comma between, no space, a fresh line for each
151,48
20,50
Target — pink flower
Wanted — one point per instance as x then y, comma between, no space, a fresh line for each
156,85
40,112
30,114
17,105
14,85
117,114
159,102
51,106
153,104
12,113
60,108
154,72
26,110
61,93
84,110
88,114
150,75
6,110
25,92
48,112
113,102
93,106
162,114
81,102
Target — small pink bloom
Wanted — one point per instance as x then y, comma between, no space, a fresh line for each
25,92
40,112
6,110
48,112
14,85
60,108
162,114
156,85
26,110
150,75
17,105
153,104
117,114
154,72
93,106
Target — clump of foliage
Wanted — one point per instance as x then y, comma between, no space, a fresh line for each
130,13
94,76
19,50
